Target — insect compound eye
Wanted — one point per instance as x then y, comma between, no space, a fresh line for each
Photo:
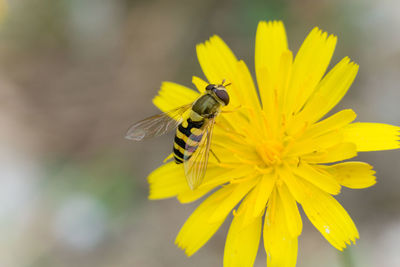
210,87
223,95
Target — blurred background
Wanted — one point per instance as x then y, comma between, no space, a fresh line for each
74,74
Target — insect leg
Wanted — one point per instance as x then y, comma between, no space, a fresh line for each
170,156
232,110
212,152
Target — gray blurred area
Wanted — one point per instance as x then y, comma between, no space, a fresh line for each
74,74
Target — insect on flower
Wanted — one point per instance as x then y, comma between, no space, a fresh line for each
193,134
281,149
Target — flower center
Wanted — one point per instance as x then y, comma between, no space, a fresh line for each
270,152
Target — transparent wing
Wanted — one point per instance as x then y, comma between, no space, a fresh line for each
157,125
196,157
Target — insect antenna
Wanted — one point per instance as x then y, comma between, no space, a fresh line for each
225,85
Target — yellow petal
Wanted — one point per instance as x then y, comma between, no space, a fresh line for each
280,246
242,242
328,216
172,95
330,91
273,94
197,230
232,146
254,204
226,204
292,215
270,44
242,80
332,123
284,77
309,66
264,189
353,174
273,62
320,178
333,154
215,176
167,181
306,144
190,195
372,136
216,59
219,63
246,209
292,182
199,83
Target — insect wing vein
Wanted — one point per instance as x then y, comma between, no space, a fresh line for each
157,125
196,159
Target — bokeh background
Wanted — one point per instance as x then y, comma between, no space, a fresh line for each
74,74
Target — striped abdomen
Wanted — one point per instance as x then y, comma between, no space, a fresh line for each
182,142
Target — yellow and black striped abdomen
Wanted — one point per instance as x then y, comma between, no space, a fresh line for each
182,142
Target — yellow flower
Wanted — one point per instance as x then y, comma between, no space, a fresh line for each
276,152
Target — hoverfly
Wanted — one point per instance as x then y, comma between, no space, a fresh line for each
193,134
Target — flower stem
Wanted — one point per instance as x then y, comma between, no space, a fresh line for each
347,258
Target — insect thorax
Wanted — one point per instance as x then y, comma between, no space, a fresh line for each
206,106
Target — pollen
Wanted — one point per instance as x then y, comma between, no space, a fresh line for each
270,152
